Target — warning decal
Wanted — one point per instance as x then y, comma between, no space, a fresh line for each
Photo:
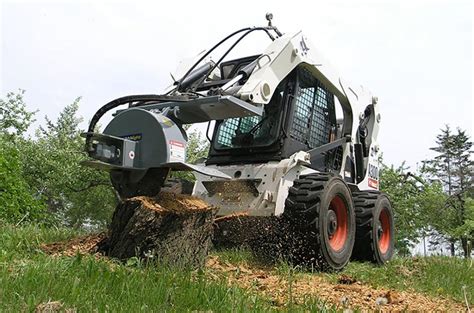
373,183
177,151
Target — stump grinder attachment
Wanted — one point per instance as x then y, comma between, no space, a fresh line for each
288,137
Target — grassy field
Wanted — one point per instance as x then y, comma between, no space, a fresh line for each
29,277
437,276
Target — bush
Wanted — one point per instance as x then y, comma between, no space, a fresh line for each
16,200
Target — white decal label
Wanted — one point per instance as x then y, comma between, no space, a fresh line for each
177,151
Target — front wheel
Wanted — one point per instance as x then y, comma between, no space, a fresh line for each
321,213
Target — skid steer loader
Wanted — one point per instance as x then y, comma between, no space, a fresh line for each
290,138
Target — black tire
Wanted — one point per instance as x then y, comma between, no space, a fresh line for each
149,185
374,227
321,214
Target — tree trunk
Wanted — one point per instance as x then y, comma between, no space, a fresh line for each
174,229
466,247
451,246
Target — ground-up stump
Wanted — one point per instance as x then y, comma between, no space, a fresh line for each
176,229
265,236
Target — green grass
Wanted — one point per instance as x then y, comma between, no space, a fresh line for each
87,284
28,277
437,276
449,277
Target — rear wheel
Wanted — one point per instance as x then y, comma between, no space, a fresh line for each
321,214
375,227
131,184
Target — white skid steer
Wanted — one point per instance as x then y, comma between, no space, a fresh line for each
290,138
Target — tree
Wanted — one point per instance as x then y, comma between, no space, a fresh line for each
15,119
453,167
75,194
411,197
197,148
17,202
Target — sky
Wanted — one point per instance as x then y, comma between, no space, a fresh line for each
416,56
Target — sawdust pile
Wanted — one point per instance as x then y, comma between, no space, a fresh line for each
347,293
87,244
52,307
173,203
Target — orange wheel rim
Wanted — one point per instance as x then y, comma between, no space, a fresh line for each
338,221
384,233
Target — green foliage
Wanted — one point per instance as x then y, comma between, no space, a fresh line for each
17,203
14,117
197,148
454,168
466,230
413,199
74,194
452,165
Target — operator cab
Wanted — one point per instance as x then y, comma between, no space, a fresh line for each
300,116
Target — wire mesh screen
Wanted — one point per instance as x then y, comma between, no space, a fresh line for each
314,114
227,130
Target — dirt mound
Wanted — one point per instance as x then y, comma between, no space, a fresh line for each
283,289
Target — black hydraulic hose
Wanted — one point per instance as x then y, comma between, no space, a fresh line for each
232,47
248,29
209,52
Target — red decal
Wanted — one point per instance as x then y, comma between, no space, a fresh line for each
373,183
176,143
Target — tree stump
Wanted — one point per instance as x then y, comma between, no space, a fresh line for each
171,228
